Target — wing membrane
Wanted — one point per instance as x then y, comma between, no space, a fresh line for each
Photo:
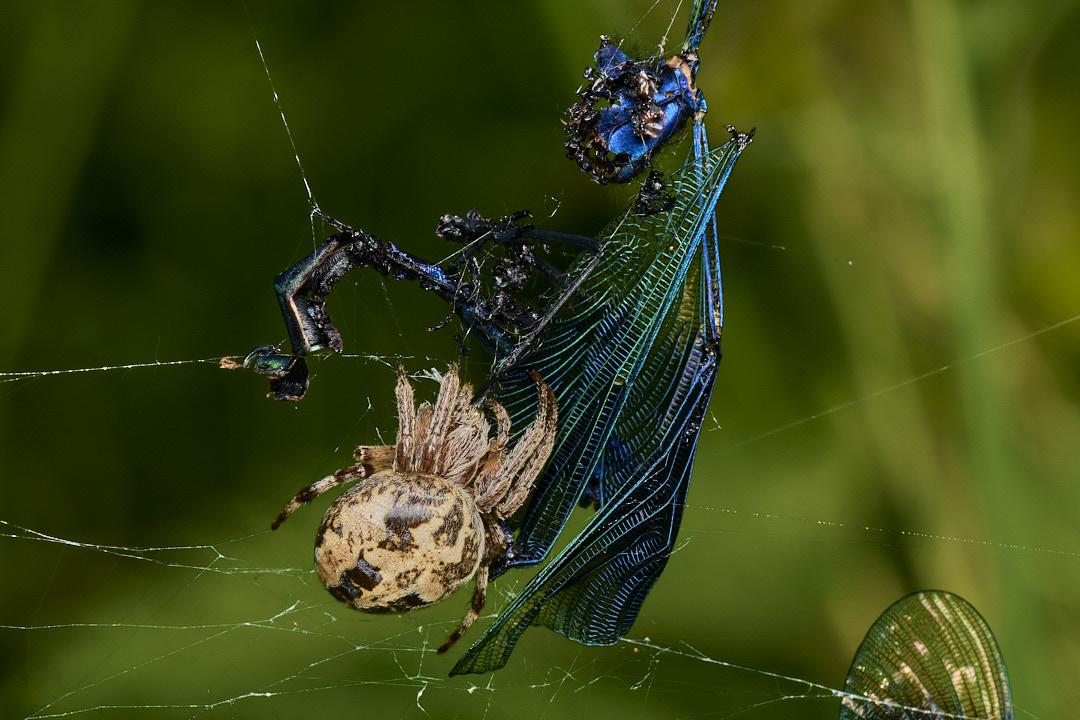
619,340
653,354
593,590
930,655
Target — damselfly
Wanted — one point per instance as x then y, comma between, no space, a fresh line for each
630,345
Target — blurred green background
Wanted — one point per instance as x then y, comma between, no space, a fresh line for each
910,203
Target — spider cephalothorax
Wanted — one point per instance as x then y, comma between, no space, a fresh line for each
430,512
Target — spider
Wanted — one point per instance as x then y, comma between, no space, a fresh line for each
431,510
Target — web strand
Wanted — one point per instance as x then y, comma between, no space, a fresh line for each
231,622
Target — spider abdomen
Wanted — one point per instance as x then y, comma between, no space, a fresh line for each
399,541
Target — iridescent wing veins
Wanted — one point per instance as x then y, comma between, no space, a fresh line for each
930,655
633,359
614,355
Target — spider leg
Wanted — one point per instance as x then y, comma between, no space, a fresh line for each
430,438
370,460
406,421
448,439
496,539
502,419
478,599
505,480
487,485
530,454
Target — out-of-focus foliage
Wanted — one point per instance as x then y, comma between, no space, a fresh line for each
909,203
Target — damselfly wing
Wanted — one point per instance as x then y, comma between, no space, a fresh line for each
930,656
632,358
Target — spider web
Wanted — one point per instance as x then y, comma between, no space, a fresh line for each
883,442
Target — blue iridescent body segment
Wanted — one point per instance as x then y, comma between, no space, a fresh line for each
929,656
629,109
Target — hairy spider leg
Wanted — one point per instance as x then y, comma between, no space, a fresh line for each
498,498
476,605
369,460
504,492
